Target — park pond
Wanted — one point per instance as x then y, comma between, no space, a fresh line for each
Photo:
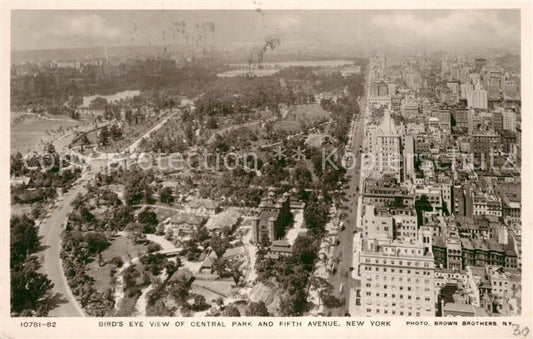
111,98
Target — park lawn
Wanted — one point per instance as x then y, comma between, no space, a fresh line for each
300,116
127,307
122,247
308,113
32,135
101,275
290,126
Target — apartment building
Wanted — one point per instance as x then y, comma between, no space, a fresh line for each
397,278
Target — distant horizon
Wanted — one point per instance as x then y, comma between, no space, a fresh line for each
19,57
98,47
102,52
362,30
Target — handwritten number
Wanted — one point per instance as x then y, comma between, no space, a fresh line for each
523,332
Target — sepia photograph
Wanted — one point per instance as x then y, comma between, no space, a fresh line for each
204,163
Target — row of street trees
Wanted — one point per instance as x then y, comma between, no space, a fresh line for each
31,291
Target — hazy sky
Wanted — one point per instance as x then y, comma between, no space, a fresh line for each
406,29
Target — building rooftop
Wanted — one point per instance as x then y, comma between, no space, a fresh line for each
264,216
183,274
207,203
455,307
478,271
231,252
438,241
227,218
184,218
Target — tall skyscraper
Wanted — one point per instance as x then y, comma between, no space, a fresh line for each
466,89
455,87
477,99
384,143
509,121
497,121
374,89
511,89
383,89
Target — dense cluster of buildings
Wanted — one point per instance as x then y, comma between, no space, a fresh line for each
440,219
